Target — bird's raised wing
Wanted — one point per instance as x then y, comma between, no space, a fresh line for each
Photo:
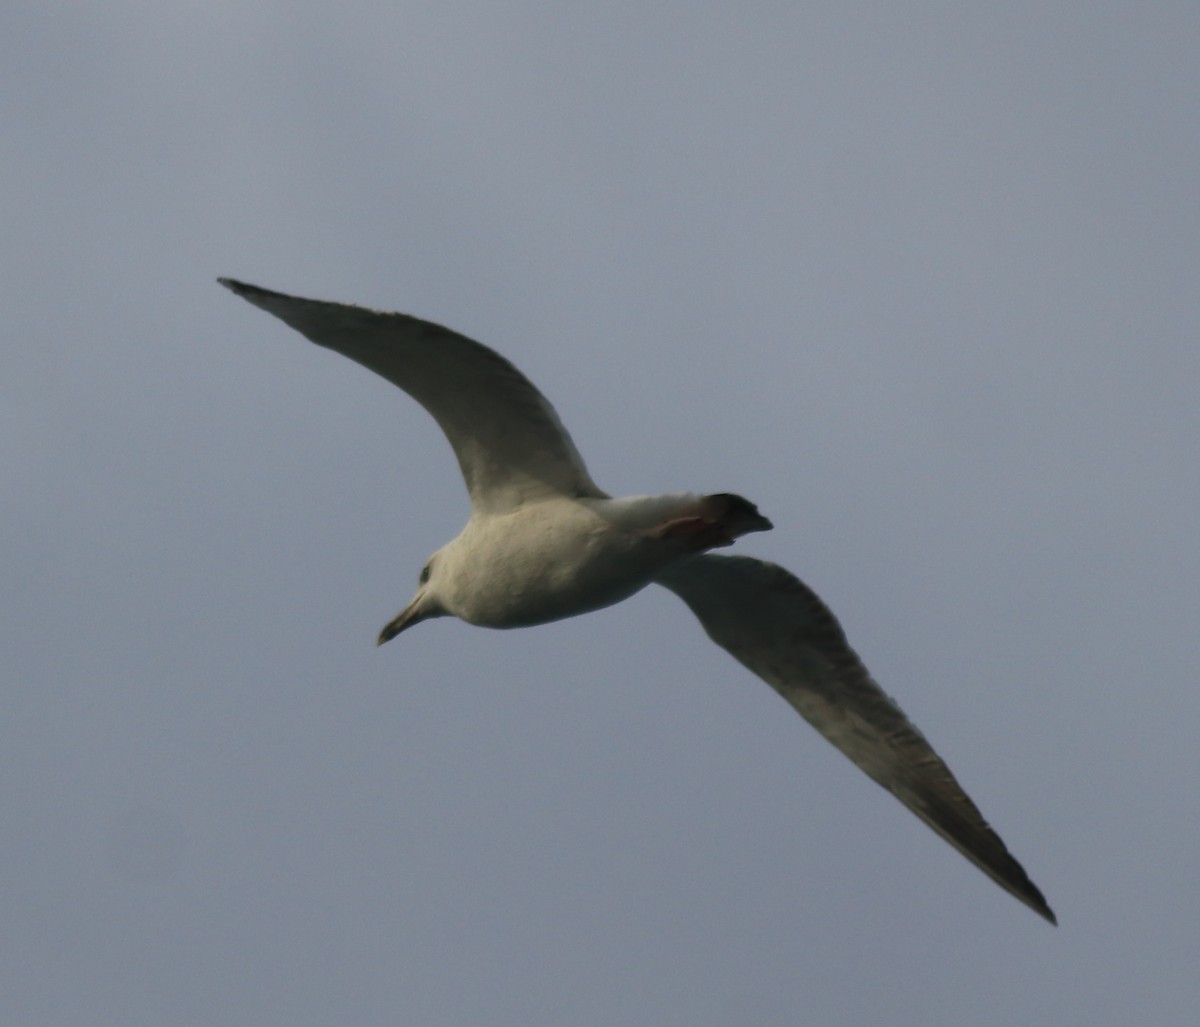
778,628
510,444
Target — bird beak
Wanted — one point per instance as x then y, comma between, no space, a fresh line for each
406,618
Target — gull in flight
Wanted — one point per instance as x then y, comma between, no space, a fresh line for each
543,542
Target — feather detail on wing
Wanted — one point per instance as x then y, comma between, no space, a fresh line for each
510,444
778,628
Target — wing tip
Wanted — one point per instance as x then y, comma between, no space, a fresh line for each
1034,900
1011,876
244,288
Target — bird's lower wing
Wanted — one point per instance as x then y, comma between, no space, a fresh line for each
778,628
510,444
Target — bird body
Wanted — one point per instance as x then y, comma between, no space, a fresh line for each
543,542
559,557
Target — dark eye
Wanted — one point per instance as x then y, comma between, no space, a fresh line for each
425,574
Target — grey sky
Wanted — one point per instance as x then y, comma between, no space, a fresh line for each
917,279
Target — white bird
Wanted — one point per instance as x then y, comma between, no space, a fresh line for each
543,543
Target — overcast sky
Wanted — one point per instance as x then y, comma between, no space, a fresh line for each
919,279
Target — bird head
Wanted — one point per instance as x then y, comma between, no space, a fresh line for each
424,606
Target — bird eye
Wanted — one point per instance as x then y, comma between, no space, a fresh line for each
425,574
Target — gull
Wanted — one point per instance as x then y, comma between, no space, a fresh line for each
543,542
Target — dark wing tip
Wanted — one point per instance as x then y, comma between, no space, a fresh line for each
1015,881
244,288
1038,904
